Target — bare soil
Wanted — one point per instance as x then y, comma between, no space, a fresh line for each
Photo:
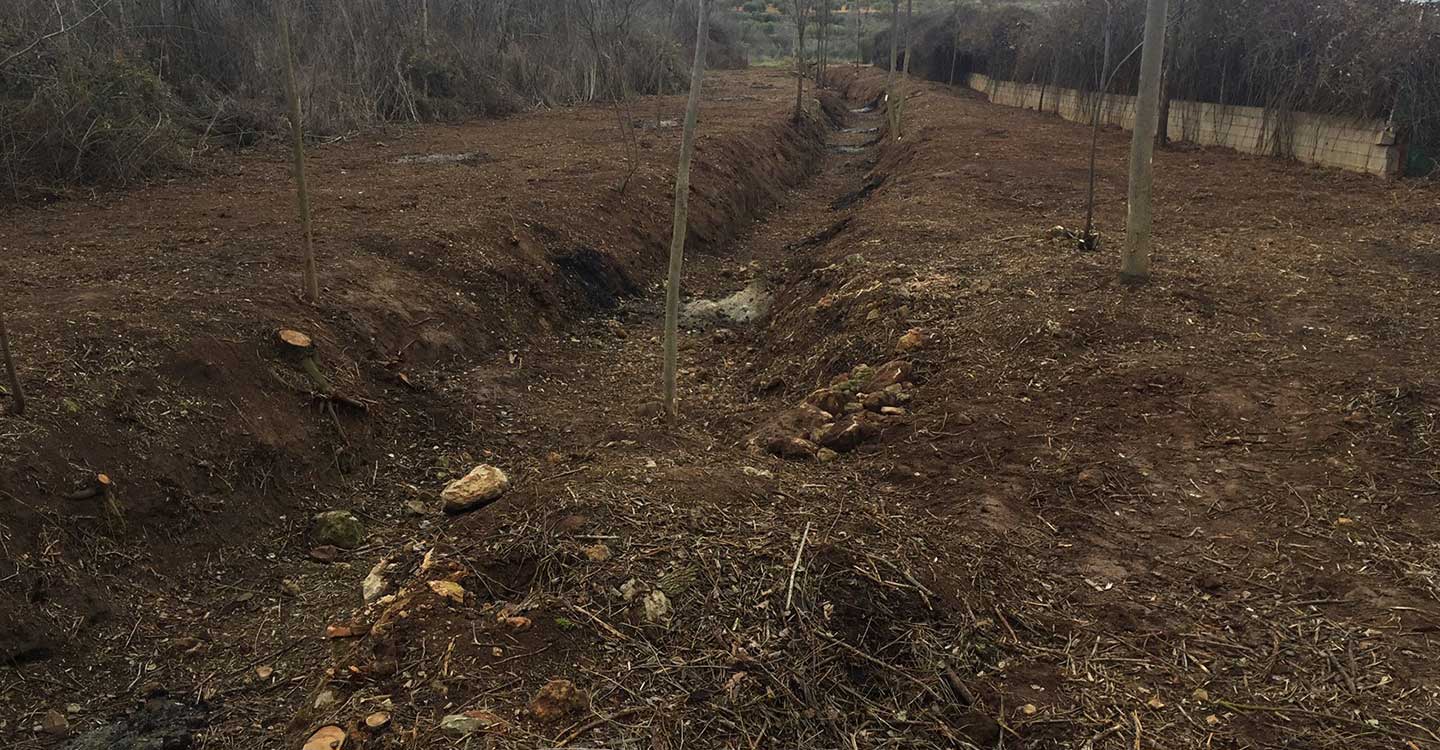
1191,513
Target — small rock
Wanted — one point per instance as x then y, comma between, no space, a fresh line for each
325,699
853,407
914,339
1053,327
326,738
338,528
846,434
874,314
448,590
893,411
264,671
483,485
886,375
517,624
290,588
790,446
631,589
417,507
378,720
657,609
554,458
55,723
597,553
325,553
557,700
751,471
470,722
825,455
828,400
72,708
1028,709
375,583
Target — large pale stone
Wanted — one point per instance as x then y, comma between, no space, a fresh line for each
482,486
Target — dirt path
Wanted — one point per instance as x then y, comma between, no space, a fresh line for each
1185,516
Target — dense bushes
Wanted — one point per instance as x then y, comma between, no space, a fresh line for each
140,85
1356,58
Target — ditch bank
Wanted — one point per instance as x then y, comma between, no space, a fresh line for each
146,332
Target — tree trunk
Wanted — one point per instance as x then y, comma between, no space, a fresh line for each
904,74
297,136
955,41
17,394
682,214
1087,240
1135,264
894,61
799,59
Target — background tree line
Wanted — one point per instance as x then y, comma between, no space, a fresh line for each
1353,58
111,91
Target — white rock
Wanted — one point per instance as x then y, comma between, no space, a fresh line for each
657,608
482,485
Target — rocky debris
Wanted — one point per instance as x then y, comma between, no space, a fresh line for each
597,553
482,486
655,608
337,528
850,411
55,723
325,699
375,583
326,738
264,671
758,473
557,700
378,720
914,340
448,590
745,306
790,446
470,722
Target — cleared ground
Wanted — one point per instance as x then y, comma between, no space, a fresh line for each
1189,514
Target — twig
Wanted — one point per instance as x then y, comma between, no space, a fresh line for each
575,733
63,29
790,590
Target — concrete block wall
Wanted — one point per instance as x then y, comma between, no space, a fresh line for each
1356,145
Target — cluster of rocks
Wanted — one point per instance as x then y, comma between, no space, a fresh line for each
856,407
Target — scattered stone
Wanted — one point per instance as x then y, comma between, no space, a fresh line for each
1053,327
881,399
375,583
631,589
893,411
72,708
847,433
339,631
470,722
264,671
448,590
326,738
829,400
656,608
483,485
417,507
55,723
853,407
751,471
1028,709
518,624
338,528
914,339
325,553
597,553
886,375
790,446
325,699
378,720
290,588
825,455
1089,479
559,699
554,458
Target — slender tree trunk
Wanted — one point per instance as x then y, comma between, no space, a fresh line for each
297,136
17,394
682,214
955,42
1135,263
894,61
904,74
800,11
1088,239
859,16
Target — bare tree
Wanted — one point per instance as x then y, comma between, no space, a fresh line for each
297,137
801,10
17,394
890,108
1135,262
680,227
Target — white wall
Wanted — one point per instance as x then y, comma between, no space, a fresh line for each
1356,145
